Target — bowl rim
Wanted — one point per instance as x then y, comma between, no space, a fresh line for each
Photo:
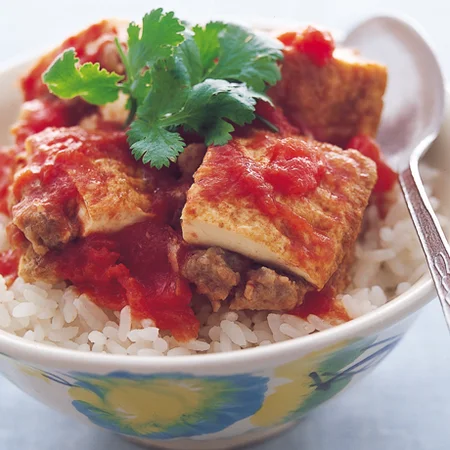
399,308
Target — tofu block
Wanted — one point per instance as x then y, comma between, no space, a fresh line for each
111,206
335,102
290,203
74,183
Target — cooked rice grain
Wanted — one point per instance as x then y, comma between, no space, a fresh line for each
388,261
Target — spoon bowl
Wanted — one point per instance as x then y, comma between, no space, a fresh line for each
415,97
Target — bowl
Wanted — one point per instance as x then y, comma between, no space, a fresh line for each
213,401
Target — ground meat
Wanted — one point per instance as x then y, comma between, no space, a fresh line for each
226,276
33,267
215,272
45,231
189,161
267,289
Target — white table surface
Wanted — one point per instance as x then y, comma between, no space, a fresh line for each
405,403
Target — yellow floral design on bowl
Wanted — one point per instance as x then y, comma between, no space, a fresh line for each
167,406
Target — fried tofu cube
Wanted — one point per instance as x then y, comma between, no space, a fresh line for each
290,203
333,102
75,183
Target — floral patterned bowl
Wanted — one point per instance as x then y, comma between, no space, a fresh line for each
208,401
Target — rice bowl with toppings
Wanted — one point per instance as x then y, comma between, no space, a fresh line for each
387,259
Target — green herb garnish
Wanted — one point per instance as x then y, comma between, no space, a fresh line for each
206,79
95,85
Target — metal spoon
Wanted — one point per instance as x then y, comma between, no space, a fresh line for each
412,118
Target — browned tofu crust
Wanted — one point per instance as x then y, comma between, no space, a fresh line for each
334,102
330,215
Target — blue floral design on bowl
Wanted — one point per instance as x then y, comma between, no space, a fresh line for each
167,406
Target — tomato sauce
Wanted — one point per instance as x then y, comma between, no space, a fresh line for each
276,117
294,168
368,147
9,263
47,112
7,166
317,45
137,266
322,304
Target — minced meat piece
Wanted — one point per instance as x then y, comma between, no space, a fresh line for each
265,289
214,272
34,267
189,161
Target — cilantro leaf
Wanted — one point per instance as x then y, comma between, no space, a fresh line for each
88,81
247,57
215,102
181,96
141,87
188,60
156,39
207,40
218,133
154,144
209,108
149,138
160,33
168,92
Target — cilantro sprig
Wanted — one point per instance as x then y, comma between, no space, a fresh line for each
205,79
95,85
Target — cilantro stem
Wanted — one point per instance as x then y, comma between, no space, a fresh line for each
126,63
132,113
268,124
124,59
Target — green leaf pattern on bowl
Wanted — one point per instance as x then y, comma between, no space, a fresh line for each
318,377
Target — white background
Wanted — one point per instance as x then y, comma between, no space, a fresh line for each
27,25
405,403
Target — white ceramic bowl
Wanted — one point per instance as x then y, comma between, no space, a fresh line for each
215,400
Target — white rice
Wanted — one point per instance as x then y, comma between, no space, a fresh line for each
388,261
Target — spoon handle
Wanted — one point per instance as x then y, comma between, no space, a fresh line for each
431,236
